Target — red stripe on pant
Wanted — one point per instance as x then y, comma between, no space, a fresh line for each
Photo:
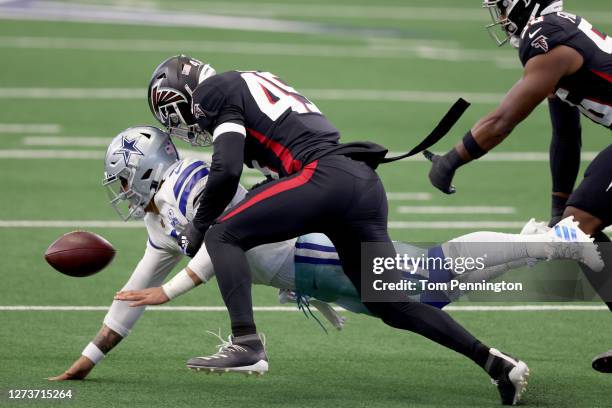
302,178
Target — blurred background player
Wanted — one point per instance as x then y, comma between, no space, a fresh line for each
570,62
147,179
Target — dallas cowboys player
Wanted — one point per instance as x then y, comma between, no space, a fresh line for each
144,175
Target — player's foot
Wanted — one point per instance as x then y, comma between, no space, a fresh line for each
603,362
244,354
534,227
508,374
569,242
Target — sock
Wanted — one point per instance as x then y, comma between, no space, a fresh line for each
243,328
481,354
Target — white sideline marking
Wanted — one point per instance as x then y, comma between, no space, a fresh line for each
417,225
517,308
315,94
407,209
29,128
405,196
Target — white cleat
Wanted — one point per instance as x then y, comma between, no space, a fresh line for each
569,242
509,375
534,227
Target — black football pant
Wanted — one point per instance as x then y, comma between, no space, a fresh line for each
343,199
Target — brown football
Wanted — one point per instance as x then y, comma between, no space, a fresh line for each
80,253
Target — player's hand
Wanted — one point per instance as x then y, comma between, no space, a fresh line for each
441,173
78,371
190,240
150,296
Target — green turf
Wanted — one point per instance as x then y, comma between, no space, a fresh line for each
366,365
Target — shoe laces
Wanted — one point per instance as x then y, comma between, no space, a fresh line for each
228,345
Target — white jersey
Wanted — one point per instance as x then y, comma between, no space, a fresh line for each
177,201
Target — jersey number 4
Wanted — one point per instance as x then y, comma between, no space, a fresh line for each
274,97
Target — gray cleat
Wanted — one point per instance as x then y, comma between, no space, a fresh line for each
244,354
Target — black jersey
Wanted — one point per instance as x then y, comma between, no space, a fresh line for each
590,88
284,129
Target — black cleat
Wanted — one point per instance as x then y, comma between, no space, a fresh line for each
603,362
508,374
244,354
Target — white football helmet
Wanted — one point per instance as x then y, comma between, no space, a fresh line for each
136,162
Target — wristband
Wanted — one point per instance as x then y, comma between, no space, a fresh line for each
93,353
472,147
180,284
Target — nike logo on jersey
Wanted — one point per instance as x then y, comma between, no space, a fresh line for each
531,35
609,187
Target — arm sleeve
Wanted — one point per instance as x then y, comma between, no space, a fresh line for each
565,145
201,265
224,176
151,271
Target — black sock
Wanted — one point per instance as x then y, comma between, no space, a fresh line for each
243,329
481,354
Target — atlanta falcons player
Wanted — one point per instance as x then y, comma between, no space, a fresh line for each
564,56
146,179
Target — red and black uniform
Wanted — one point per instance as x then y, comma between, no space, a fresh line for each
590,91
320,185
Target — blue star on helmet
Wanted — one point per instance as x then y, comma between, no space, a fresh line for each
128,148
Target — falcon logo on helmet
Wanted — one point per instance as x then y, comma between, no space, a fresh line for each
510,17
170,90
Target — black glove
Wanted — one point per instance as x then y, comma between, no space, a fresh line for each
190,240
557,208
442,171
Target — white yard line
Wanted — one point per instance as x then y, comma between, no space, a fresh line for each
452,225
458,308
408,196
30,128
72,141
415,225
366,95
400,49
36,10
493,157
407,209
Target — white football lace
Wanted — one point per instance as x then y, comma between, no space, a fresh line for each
227,345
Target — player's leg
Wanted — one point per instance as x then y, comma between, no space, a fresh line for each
292,206
591,205
420,318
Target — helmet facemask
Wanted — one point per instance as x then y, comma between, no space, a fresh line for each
170,93
510,17
125,201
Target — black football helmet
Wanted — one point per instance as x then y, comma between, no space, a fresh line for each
170,90
510,17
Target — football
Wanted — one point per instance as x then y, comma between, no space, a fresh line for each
80,253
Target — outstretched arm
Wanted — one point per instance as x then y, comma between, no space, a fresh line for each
150,271
541,76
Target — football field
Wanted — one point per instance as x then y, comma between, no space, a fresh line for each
73,74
